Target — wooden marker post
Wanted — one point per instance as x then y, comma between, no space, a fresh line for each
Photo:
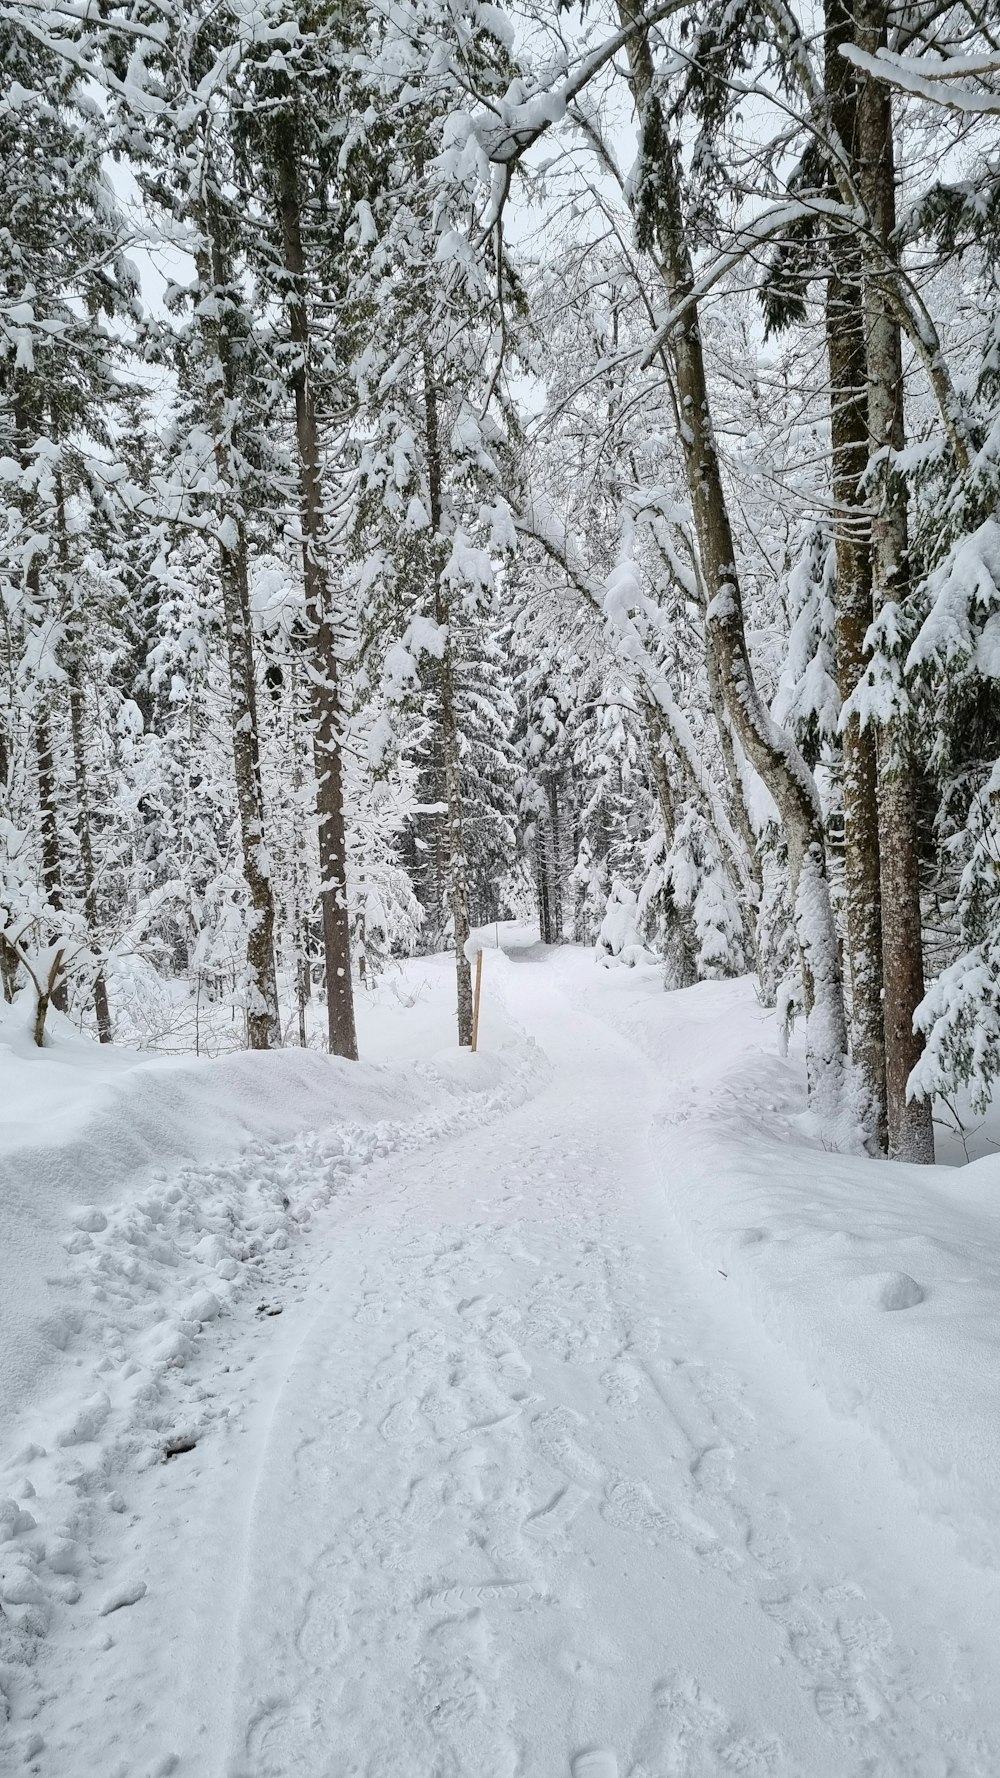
475,1001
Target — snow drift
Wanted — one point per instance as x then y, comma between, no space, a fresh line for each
108,1122
149,1203
882,1279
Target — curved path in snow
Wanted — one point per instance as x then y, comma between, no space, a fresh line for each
522,1495
524,1502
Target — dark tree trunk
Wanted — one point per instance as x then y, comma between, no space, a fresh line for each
542,881
9,964
555,860
748,895
263,1018
49,822
102,1011
458,885
845,339
681,959
8,970
327,708
451,746
77,723
911,1130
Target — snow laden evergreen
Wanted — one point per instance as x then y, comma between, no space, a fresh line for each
465,522
69,293
960,1015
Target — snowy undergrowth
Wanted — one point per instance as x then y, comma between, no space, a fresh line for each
127,1268
883,1280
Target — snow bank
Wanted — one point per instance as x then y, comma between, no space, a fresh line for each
883,1280
86,1132
148,1203
105,1123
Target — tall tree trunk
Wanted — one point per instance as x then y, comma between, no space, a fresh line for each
49,822
263,1018
300,934
327,708
48,818
911,1129
737,794
102,1011
77,724
9,964
457,864
748,895
681,957
845,341
768,748
542,884
555,860
220,399
458,879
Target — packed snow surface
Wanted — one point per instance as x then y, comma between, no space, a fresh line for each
560,1412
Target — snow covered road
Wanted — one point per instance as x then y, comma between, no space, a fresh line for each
512,1486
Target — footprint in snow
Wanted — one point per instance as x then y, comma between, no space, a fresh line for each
459,1597
400,1422
556,1515
371,1311
629,1506
553,1431
622,1382
596,1762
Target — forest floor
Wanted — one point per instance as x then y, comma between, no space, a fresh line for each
587,1423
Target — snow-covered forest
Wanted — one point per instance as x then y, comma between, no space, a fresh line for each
458,459
499,888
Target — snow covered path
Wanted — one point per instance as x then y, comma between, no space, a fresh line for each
520,1491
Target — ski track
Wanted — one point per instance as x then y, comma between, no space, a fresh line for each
502,1495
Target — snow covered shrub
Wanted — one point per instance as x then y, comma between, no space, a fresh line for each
700,884
955,660
807,701
778,969
618,940
960,1014
588,887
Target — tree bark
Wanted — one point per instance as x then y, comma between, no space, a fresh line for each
327,708
263,1018
46,997
748,895
77,724
542,884
846,356
9,963
555,860
102,1011
458,882
49,822
8,970
910,1125
547,865
681,957
457,869
768,748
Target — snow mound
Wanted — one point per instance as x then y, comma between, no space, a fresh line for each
142,1218
882,1280
883,1290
